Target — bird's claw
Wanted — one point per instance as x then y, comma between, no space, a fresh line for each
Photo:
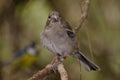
57,60
54,67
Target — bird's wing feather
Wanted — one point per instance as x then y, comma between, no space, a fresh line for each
68,29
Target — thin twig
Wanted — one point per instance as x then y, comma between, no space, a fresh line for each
1,66
84,13
47,70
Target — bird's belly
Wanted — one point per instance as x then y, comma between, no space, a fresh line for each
62,44
58,44
63,49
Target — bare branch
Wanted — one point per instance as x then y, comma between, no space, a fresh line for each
42,73
47,70
63,72
84,14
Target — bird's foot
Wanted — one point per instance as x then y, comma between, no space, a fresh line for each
57,60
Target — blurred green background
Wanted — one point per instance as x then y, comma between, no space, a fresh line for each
21,22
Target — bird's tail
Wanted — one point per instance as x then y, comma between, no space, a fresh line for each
89,65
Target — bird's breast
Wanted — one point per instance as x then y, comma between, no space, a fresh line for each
57,41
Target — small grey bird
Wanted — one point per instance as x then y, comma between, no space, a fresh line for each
59,38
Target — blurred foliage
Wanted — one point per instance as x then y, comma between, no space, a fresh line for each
21,22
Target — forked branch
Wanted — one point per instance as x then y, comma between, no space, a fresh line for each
47,70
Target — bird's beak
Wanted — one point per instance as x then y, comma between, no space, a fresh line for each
55,17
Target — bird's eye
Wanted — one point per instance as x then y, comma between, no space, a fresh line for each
49,17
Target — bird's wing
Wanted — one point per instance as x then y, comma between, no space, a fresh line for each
69,31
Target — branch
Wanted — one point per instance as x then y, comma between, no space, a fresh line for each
42,73
62,71
84,14
47,70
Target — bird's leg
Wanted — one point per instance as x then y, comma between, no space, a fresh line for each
57,59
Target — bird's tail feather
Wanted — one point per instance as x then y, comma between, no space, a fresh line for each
89,65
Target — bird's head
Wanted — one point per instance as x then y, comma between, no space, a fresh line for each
53,18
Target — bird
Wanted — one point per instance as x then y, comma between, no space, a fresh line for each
31,49
59,38
24,59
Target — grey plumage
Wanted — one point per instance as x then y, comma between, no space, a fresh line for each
59,38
